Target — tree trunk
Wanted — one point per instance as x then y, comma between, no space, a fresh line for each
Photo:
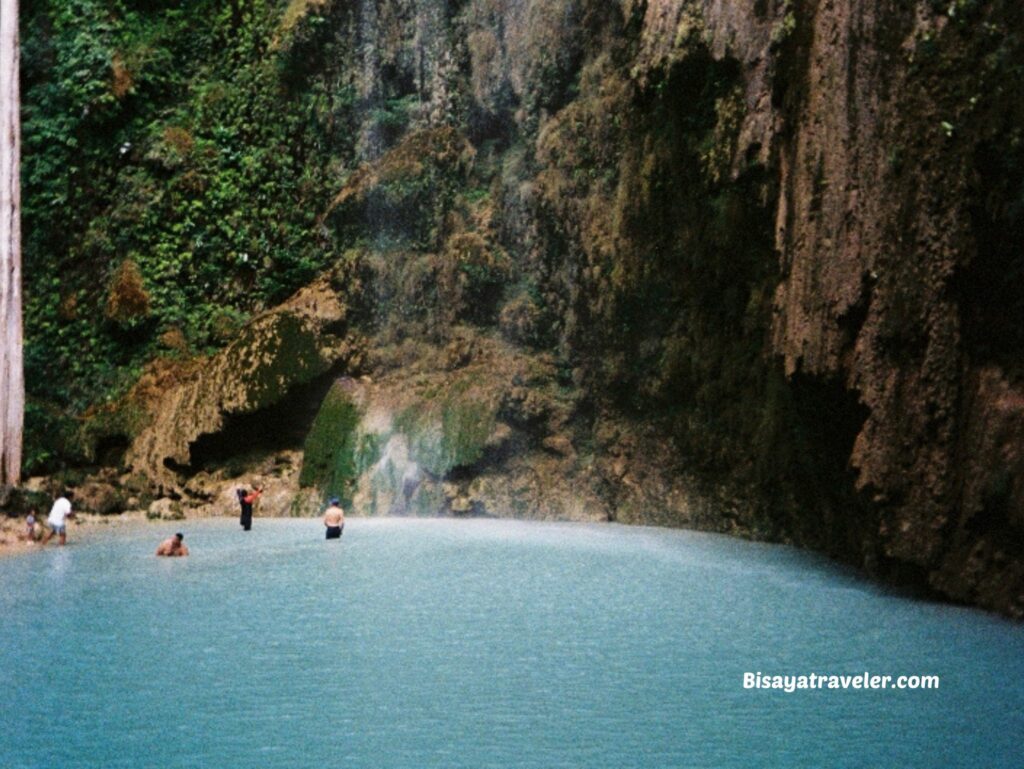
12,378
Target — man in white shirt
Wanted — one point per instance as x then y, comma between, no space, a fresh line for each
57,521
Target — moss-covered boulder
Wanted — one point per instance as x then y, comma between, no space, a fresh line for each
337,451
448,432
285,348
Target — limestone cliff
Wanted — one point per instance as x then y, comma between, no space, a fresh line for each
894,274
756,264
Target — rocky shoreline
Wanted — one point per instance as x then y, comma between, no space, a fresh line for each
83,525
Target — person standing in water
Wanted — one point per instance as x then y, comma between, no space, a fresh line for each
246,499
173,546
58,518
334,519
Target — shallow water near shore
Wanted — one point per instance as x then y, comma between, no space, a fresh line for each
441,643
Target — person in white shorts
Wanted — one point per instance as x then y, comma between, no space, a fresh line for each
58,519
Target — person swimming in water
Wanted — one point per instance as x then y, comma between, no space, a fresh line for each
173,546
334,520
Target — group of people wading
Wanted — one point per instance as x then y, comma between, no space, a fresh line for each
333,520
56,522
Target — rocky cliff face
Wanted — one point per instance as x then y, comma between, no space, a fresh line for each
894,271
753,266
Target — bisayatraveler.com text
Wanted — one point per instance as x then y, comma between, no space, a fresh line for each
793,683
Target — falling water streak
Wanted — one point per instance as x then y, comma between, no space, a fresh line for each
370,144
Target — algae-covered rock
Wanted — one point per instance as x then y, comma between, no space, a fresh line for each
336,451
383,450
392,446
448,433
429,440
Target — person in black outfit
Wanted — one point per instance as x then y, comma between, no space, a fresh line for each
246,500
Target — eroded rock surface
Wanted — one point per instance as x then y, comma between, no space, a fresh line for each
490,438
288,347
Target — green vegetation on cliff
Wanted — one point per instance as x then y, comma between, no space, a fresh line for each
177,157
205,161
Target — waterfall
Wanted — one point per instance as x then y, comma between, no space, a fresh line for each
371,92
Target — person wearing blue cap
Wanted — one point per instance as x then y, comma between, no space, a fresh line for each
334,519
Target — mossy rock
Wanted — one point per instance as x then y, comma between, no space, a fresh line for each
391,462
406,190
278,351
448,434
336,451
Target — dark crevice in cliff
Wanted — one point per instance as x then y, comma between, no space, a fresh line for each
993,519
280,427
829,417
494,456
110,450
990,288
908,578
701,252
791,83
851,321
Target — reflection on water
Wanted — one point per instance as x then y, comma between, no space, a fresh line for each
57,565
415,643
